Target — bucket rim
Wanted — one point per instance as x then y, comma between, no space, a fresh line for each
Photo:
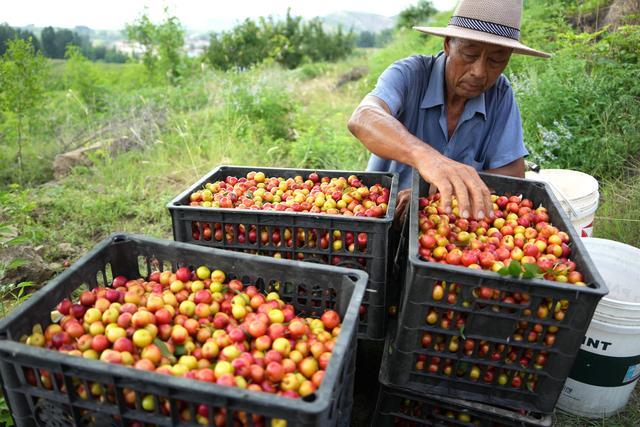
592,243
621,323
547,175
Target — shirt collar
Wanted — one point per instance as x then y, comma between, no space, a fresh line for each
435,92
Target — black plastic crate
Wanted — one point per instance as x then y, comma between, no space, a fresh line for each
402,408
45,387
191,222
444,367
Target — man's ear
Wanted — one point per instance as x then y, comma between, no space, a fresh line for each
447,43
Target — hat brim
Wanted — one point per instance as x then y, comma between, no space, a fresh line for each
465,33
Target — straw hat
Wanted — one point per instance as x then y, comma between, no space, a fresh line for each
488,21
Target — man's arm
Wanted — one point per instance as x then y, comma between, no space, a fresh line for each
515,169
374,125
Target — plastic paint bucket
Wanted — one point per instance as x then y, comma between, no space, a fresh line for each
607,367
577,192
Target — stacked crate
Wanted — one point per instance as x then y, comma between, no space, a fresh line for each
241,230
44,387
462,344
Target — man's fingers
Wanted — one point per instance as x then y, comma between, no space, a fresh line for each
445,189
480,196
461,191
400,208
478,192
487,197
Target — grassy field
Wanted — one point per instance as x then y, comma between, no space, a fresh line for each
579,111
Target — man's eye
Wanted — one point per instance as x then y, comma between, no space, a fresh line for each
471,57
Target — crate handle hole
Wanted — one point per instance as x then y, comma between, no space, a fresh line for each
119,238
354,277
310,397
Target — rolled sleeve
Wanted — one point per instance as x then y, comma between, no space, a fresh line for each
507,141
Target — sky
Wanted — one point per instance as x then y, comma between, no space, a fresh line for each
194,14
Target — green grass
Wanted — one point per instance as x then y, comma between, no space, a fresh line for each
629,417
618,216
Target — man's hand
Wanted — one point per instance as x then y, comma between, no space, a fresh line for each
402,205
453,178
379,131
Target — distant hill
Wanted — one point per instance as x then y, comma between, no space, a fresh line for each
358,21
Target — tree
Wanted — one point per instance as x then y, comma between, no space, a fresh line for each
416,14
162,45
366,39
9,33
82,77
289,43
22,73
48,37
170,40
143,31
55,43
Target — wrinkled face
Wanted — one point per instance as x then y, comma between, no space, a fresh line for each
473,67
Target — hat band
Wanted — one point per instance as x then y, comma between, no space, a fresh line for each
485,27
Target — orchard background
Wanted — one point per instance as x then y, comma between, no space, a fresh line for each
274,93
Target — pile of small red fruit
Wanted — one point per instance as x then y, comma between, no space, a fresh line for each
336,196
198,325
517,231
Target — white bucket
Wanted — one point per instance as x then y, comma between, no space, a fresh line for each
577,192
607,367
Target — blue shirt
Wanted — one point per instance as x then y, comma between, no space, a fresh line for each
488,134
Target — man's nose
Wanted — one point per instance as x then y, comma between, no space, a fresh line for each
479,69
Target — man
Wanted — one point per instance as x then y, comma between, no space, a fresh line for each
453,114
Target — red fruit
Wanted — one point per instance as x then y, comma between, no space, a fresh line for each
485,293
516,382
119,281
202,296
74,329
296,329
330,319
276,330
273,356
486,259
426,340
237,335
163,316
78,310
427,241
99,343
257,328
60,339
274,372
183,274
87,298
112,295
123,344
220,320
502,202
469,258
530,249
227,380
64,306
454,257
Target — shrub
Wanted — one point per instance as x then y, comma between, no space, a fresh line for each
83,77
578,108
